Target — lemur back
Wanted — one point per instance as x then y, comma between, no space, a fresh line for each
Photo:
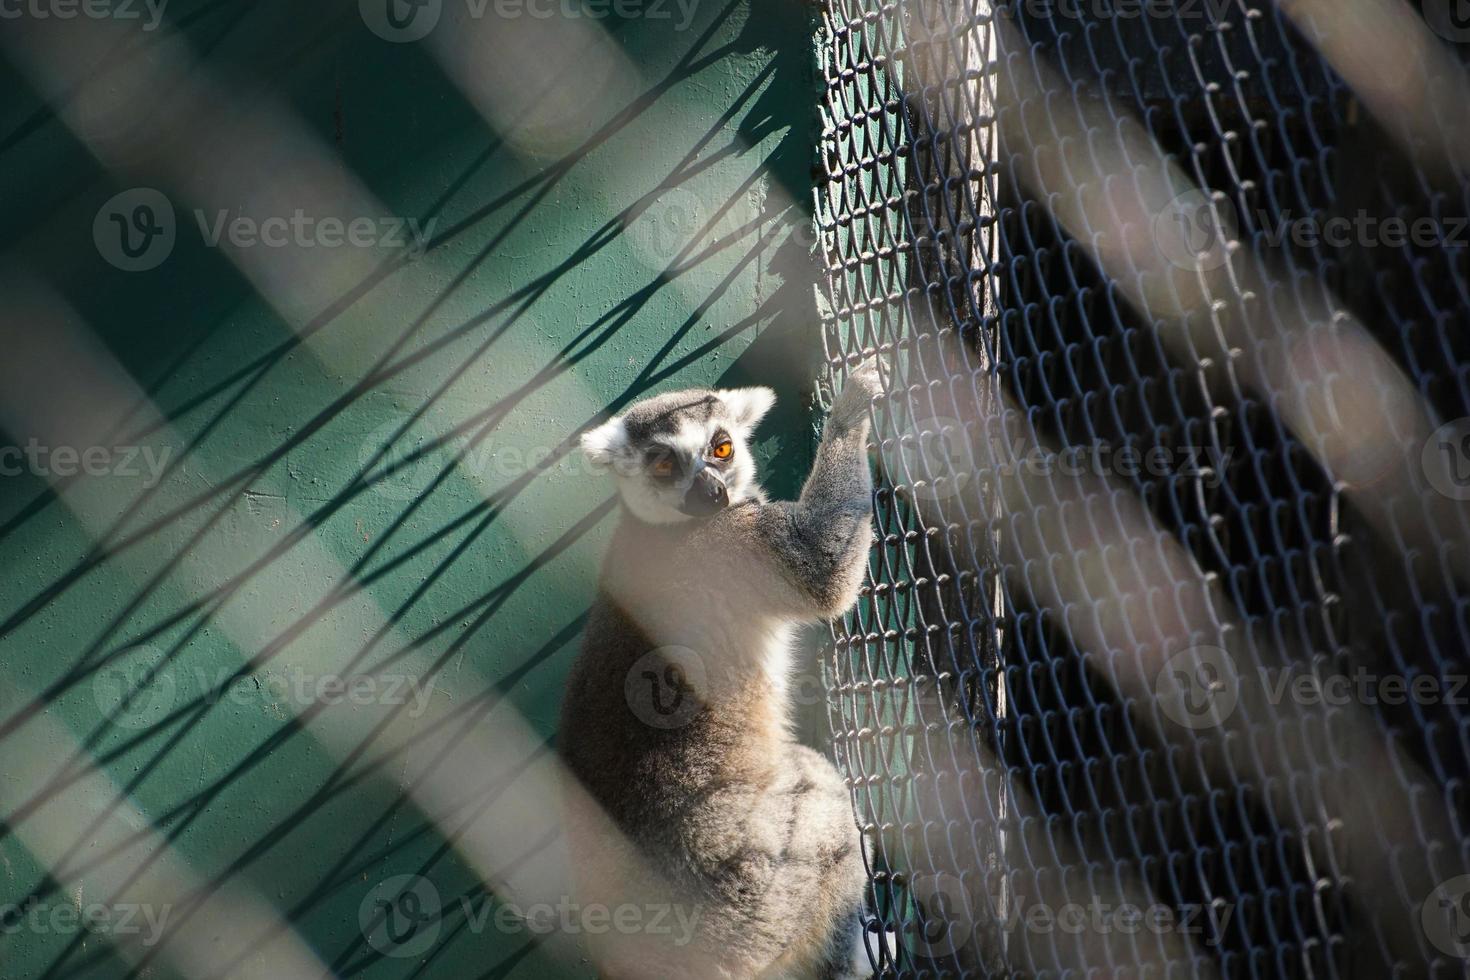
676,719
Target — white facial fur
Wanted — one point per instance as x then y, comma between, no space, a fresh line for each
677,423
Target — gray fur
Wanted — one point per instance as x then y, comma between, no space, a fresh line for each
756,830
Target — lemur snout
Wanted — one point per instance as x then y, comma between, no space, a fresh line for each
706,495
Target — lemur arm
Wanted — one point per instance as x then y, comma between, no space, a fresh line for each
817,546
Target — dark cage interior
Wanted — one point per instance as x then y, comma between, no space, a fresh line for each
1160,667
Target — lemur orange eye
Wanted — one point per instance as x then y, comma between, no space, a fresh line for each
724,449
662,467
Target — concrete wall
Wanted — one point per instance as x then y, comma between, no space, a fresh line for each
348,462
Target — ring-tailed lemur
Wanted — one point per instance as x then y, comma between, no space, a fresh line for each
676,718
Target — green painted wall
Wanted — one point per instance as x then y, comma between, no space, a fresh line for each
388,487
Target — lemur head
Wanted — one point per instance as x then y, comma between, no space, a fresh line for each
683,455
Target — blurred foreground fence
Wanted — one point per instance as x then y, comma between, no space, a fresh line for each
1161,670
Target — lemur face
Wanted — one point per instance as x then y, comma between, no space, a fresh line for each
684,455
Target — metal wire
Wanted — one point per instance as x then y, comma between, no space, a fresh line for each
1101,457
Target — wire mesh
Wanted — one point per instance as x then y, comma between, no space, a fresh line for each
1169,458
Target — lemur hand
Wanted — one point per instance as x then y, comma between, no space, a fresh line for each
850,409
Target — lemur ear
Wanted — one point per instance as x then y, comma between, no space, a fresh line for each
604,444
747,406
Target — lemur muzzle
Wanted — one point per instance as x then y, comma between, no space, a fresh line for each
706,495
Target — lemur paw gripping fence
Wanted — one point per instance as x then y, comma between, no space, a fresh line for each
1160,668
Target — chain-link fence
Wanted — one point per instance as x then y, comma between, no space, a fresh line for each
1161,667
